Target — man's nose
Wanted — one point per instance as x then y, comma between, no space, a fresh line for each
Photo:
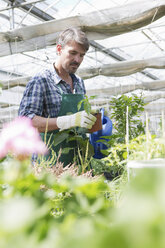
78,58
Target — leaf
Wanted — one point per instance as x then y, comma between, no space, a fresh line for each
125,155
66,150
87,107
92,97
60,137
79,104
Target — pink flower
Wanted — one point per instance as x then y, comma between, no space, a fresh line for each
20,138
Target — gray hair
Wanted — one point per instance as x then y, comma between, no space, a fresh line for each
73,34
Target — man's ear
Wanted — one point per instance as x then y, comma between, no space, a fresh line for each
58,49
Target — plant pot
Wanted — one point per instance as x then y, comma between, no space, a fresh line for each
135,166
97,125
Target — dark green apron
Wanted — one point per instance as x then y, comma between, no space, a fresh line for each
68,106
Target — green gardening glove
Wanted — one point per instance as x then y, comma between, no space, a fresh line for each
79,119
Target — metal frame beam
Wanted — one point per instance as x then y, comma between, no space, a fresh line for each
13,74
118,57
34,11
20,5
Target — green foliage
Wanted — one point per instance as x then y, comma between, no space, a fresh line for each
86,104
135,108
84,157
33,207
85,151
113,164
39,211
145,147
140,220
116,152
60,137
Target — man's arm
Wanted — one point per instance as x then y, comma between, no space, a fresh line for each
43,124
79,119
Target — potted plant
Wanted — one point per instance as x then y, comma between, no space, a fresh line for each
145,152
87,107
115,156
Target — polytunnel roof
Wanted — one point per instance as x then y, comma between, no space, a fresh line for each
127,51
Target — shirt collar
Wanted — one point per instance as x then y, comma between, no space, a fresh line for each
59,79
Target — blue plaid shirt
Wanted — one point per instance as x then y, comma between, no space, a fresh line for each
42,95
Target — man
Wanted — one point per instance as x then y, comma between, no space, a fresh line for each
51,97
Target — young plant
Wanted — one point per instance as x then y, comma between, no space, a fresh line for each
86,104
135,108
115,156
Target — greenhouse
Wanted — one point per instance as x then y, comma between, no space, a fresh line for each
64,181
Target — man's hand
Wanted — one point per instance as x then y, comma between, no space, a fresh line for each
79,119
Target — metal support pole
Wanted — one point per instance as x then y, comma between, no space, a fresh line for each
21,5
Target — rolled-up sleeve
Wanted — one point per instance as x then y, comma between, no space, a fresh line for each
32,100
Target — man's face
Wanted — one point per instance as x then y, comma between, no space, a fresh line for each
71,56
